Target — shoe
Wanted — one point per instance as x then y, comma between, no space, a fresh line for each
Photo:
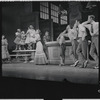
75,64
32,61
85,64
25,61
96,67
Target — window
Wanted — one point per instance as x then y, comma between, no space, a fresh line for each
63,19
44,10
54,13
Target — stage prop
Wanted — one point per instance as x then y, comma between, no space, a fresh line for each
25,54
54,52
52,72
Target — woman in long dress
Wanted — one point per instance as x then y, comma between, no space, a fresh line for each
5,53
40,57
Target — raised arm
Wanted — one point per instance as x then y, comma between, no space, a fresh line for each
86,24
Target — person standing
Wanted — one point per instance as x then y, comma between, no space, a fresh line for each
82,46
22,42
73,35
18,39
30,37
40,57
61,41
5,53
94,31
46,38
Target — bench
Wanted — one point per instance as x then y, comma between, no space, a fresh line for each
21,55
31,52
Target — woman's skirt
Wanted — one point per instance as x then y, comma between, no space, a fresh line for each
30,40
17,40
40,57
22,42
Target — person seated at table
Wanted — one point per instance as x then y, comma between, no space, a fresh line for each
46,38
61,41
23,38
40,57
17,39
30,37
5,53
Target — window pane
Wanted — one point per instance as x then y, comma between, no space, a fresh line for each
44,4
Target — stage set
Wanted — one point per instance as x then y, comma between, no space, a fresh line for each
45,16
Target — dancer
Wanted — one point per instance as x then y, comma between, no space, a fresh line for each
30,37
73,36
40,57
61,41
23,38
94,31
46,38
5,53
82,46
17,39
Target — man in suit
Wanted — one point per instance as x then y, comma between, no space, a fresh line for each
94,31
82,46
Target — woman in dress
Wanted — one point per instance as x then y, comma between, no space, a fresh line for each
17,39
5,53
46,38
23,38
30,39
40,57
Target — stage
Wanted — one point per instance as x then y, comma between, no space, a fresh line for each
52,72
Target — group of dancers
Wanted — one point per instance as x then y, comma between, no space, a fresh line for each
77,34
32,38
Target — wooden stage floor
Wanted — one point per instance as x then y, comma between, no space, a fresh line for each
52,72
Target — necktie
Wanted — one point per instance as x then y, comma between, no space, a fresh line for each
91,28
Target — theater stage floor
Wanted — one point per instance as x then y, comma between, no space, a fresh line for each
52,72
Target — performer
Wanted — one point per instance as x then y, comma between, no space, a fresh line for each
17,39
40,57
23,38
46,38
61,41
94,31
5,53
82,46
73,36
30,37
